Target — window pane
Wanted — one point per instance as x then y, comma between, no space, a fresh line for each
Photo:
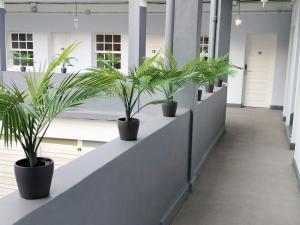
118,66
23,45
15,45
100,56
30,54
22,37
108,47
117,47
117,38
16,62
23,54
206,40
99,38
30,63
29,45
100,47
14,37
29,37
108,38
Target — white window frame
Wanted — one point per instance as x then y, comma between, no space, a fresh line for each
104,42
203,45
21,49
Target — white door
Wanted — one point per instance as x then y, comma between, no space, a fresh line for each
60,42
260,63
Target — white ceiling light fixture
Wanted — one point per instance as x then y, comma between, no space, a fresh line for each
76,19
264,2
238,18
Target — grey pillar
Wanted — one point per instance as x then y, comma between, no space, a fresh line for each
212,27
186,42
137,32
223,31
223,27
169,31
2,40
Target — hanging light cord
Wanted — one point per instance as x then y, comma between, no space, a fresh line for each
76,10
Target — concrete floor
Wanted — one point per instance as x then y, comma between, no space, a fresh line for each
248,178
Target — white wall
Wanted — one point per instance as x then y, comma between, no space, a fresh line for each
278,23
43,24
296,126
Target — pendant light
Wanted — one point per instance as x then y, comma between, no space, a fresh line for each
238,19
264,2
76,19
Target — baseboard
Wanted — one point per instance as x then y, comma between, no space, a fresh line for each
296,170
200,164
233,105
175,207
276,107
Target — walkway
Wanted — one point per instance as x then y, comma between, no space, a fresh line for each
248,178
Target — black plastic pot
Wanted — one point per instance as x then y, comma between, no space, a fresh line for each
199,95
34,183
23,68
63,70
209,88
219,83
169,109
128,130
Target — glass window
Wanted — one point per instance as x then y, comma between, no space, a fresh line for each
204,44
108,43
22,49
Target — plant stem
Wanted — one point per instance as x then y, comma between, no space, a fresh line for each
32,160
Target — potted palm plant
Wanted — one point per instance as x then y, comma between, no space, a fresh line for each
67,62
27,114
221,67
209,70
129,88
23,59
176,81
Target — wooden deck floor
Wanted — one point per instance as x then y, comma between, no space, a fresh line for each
61,154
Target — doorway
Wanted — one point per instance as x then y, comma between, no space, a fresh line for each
259,70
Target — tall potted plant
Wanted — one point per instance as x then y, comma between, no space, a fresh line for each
27,114
129,88
23,59
67,62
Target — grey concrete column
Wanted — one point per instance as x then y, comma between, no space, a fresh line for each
169,30
223,30
137,32
213,19
186,42
2,39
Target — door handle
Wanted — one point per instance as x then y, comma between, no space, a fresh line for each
246,66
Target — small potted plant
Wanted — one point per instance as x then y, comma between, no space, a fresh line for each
67,62
27,114
176,81
209,70
25,59
128,88
221,67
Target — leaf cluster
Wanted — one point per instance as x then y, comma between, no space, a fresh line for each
27,115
